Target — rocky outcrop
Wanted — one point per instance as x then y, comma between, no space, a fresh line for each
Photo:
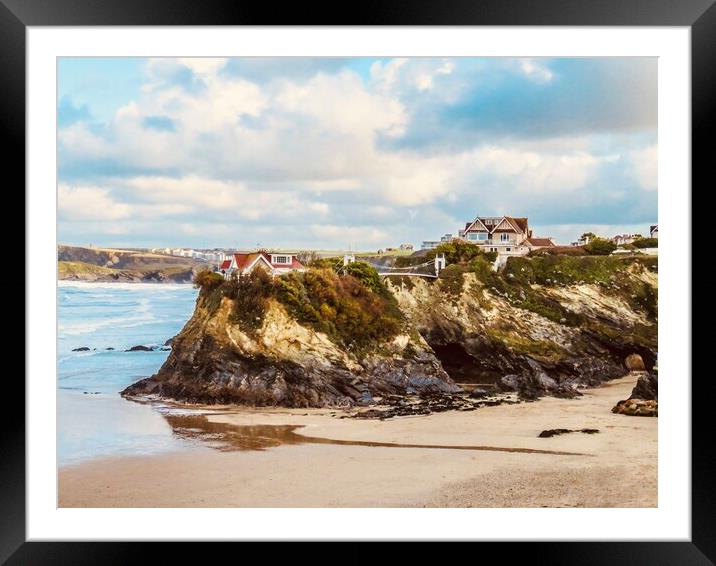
644,398
646,388
634,362
484,335
215,359
516,337
637,408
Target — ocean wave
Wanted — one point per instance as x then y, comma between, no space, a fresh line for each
141,314
88,285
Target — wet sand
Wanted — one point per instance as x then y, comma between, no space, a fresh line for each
491,457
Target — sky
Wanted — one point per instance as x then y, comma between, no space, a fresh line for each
337,153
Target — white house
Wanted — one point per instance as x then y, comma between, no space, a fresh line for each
273,263
505,235
622,239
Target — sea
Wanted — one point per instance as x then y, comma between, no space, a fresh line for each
93,420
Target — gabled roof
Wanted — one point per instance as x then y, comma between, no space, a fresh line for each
654,227
519,223
247,261
481,226
226,264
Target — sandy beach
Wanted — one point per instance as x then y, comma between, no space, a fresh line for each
501,461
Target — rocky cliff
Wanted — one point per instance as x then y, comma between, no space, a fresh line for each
573,329
320,339
220,357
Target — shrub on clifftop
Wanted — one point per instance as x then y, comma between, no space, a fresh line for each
600,246
206,280
343,307
458,251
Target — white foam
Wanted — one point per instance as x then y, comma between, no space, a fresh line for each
125,285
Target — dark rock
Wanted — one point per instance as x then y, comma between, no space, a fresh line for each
81,349
634,362
553,432
109,348
169,342
557,431
643,401
479,393
140,348
531,386
647,388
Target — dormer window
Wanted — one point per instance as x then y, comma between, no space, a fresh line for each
281,259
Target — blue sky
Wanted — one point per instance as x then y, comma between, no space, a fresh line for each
339,152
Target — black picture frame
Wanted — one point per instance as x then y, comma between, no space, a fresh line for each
699,15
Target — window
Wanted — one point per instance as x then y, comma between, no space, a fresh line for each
508,249
472,236
504,237
482,236
282,259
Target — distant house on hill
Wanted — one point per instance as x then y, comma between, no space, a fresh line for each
506,235
272,263
432,244
622,239
407,247
654,231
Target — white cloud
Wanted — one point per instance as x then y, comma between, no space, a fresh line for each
536,71
324,157
89,203
343,236
645,164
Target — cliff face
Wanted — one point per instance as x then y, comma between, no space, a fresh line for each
285,341
217,360
534,339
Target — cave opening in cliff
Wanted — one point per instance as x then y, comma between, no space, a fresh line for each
461,366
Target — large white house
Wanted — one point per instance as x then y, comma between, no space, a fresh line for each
505,235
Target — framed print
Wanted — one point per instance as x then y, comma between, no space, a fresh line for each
397,279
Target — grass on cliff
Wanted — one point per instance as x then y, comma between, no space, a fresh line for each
616,276
353,308
67,269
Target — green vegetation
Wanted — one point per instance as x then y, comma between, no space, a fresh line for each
206,280
68,269
600,246
562,270
558,250
646,243
353,308
355,311
452,281
539,349
402,281
250,294
457,251
515,282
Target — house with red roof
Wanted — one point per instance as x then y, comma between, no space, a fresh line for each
272,262
506,235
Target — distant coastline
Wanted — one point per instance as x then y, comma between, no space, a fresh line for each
107,265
